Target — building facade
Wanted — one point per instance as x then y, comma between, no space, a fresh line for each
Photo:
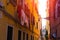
52,4
57,19
19,20
54,13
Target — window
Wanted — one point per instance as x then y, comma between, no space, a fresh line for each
26,36
9,33
31,37
33,21
37,25
29,23
19,35
23,35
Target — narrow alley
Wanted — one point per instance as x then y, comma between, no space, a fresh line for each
29,19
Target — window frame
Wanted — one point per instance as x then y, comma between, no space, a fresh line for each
10,33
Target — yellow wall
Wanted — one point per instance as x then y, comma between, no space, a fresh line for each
6,21
35,14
